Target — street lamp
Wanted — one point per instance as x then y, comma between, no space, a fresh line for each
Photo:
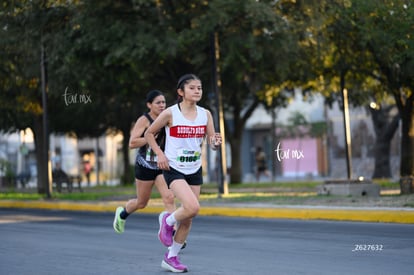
347,128
46,170
219,115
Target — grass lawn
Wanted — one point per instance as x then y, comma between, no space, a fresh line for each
276,192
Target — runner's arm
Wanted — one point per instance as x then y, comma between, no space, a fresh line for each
161,121
136,140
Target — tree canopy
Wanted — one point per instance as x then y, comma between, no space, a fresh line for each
104,56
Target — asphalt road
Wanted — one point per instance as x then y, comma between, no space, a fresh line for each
67,242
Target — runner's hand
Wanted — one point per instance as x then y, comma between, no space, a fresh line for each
216,140
162,162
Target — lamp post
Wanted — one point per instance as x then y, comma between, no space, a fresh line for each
46,170
219,116
347,128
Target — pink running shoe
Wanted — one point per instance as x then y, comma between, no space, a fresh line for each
165,233
173,264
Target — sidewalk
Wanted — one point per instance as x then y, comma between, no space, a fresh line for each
252,210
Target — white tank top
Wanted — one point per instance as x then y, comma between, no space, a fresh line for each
184,139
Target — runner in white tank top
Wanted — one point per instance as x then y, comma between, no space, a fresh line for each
187,126
184,139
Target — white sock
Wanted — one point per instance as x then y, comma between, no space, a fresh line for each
171,220
174,249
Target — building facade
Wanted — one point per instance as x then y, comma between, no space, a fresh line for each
304,155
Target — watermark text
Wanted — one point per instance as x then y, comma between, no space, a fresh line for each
288,153
76,98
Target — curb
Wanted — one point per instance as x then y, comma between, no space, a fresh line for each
393,215
361,215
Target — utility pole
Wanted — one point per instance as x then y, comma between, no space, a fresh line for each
219,116
45,154
273,138
347,128
98,167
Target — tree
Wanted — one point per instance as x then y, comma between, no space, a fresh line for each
385,126
110,51
256,51
364,83
387,33
357,45
26,28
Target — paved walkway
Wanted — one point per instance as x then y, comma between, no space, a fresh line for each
253,210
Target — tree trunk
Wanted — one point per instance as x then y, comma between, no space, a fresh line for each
125,153
235,143
42,166
236,138
407,139
384,131
235,171
382,159
407,145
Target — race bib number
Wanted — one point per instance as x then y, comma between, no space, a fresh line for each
188,156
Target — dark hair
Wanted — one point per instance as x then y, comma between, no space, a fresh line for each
184,80
152,95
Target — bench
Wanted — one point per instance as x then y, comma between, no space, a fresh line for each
60,179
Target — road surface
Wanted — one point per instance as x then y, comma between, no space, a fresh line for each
67,242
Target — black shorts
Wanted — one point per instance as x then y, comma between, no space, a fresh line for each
143,173
192,179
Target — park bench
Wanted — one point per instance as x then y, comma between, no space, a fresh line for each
61,179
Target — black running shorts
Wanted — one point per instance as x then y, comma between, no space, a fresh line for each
192,179
143,173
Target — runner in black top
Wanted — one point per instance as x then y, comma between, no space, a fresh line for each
146,171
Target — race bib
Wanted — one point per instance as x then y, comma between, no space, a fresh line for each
188,157
150,156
